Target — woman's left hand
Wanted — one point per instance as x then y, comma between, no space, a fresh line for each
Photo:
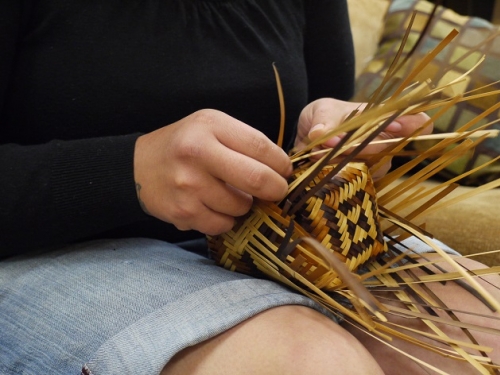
325,114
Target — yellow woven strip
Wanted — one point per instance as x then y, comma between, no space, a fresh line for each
454,323
493,302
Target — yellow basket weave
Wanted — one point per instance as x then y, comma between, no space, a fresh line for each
342,215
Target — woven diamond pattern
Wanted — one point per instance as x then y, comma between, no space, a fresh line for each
342,215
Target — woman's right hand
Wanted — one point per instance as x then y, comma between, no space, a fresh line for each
202,171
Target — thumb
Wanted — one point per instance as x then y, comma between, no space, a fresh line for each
319,130
328,114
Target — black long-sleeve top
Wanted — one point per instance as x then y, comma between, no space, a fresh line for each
80,80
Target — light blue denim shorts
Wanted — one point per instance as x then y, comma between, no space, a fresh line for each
120,307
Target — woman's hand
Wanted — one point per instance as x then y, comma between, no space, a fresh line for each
202,171
325,114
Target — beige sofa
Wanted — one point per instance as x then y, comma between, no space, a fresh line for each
471,226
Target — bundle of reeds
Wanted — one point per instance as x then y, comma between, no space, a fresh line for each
337,236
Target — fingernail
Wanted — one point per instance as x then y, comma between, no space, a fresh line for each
332,142
318,128
394,127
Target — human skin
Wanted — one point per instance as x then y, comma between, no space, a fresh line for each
325,114
456,298
204,170
291,340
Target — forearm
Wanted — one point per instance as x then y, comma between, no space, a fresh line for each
65,190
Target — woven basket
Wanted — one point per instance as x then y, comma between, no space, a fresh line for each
342,215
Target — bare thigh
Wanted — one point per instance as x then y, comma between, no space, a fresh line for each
454,297
282,340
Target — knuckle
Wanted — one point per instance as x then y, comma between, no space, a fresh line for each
191,149
206,116
185,181
260,144
256,179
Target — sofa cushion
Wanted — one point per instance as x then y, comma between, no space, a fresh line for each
469,226
367,24
472,31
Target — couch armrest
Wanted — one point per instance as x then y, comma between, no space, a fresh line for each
367,24
470,226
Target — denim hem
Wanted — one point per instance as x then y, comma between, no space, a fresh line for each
146,346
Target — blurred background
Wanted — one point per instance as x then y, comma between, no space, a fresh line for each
487,9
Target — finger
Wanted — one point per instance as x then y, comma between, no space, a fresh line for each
226,199
402,127
246,174
190,213
380,171
330,115
321,116
250,142
209,222
246,159
408,124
